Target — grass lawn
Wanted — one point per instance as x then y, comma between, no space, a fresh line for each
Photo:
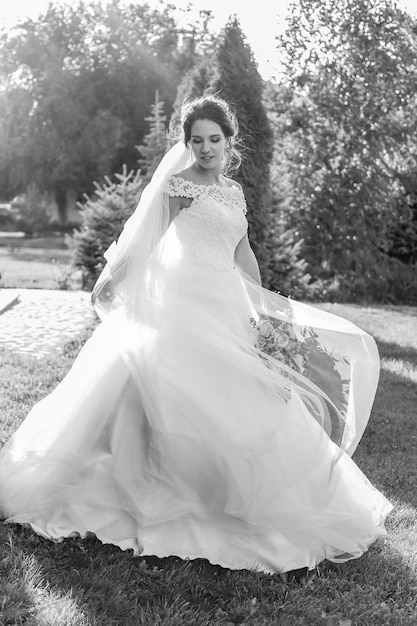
82,583
34,263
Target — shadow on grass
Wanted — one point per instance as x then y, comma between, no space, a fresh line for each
109,586
392,350
94,584
388,450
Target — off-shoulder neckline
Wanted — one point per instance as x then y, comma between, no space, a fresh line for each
234,187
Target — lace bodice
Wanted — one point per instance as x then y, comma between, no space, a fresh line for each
214,223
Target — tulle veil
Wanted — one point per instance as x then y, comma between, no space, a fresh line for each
205,417
132,262
336,364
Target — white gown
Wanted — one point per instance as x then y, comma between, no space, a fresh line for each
227,435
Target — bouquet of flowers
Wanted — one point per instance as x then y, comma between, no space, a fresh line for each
277,339
303,353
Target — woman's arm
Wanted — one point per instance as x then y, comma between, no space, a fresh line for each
175,206
245,259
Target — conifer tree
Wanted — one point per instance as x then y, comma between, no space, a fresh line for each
232,74
288,269
155,141
194,84
235,78
103,217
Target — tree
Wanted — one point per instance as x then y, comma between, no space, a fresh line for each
197,40
194,84
288,269
83,78
32,211
232,74
345,128
155,142
197,52
402,237
104,214
237,80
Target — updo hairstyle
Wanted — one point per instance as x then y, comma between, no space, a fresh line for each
216,110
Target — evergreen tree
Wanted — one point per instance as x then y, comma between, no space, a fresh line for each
103,217
194,84
288,269
235,78
155,141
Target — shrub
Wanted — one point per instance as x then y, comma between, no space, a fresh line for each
103,217
389,282
287,269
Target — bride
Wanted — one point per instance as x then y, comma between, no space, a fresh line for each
206,416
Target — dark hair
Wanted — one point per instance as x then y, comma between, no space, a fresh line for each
216,110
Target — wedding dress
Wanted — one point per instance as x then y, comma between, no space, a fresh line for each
211,418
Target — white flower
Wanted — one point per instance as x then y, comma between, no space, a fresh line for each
262,341
266,328
282,340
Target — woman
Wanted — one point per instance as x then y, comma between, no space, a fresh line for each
206,417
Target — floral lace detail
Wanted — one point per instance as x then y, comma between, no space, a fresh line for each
209,230
180,187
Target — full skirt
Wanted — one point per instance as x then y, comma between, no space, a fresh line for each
220,426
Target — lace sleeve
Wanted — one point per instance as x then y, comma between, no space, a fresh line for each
179,187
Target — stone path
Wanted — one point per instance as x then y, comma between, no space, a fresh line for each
39,322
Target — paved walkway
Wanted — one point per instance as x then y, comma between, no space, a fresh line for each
39,322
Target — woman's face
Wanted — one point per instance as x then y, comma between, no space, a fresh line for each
208,144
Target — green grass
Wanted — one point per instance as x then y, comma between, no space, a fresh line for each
83,583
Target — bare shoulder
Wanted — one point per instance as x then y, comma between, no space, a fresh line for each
229,182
